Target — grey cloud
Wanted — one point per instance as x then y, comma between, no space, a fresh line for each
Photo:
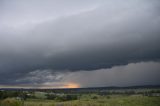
39,77
101,34
143,73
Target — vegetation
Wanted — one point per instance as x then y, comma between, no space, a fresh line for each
11,102
118,97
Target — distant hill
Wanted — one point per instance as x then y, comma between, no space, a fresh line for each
88,88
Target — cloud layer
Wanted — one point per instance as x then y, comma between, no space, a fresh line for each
73,36
143,73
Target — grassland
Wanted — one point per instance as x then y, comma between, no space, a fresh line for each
116,100
95,100
81,97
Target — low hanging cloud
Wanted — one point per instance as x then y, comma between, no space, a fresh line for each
72,36
143,73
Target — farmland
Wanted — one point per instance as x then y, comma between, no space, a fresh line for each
101,101
81,97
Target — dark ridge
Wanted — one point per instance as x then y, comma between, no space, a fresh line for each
87,89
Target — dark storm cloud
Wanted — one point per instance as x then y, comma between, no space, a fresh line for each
143,73
72,36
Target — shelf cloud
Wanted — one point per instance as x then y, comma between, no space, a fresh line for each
71,36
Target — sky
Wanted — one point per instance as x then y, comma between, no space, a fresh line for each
79,43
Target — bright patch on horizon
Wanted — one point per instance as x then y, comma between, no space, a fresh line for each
71,85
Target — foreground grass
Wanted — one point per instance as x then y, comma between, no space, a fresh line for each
39,103
101,101
87,100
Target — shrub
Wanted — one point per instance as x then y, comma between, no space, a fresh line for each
71,97
50,96
94,97
62,98
108,97
11,102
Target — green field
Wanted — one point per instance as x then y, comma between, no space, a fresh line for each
96,100
102,101
81,97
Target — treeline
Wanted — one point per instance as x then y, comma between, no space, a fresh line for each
64,96
130,92
6,94
30,95
10,94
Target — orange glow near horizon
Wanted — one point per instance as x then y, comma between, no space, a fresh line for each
71,85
